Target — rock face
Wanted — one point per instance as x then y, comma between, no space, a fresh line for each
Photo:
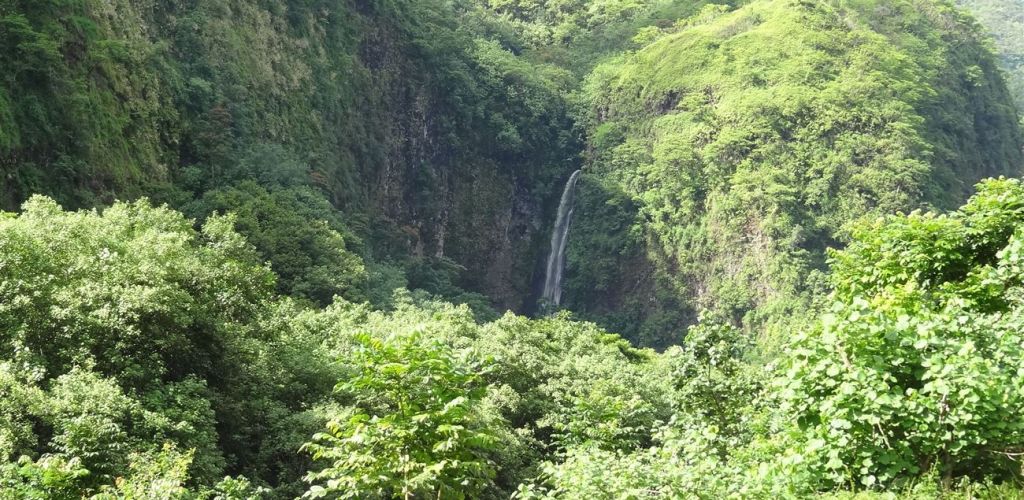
468,184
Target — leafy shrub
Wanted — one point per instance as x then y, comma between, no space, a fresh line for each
917,365
417,428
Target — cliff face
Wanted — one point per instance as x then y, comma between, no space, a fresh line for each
399,117
474,146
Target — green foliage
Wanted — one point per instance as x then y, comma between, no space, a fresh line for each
398,114
715,385
77,93
715,408
1004,19
554,382
685,467
576,384
417,429
128,329
49,477
439,130
140,292
301,236
577,34
908,386
745,139
329,152
99,439
156,476
917,365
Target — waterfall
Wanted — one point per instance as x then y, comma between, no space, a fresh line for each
559,237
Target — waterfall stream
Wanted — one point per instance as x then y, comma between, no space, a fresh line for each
552,295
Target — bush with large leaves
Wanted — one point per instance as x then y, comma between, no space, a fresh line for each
918,365
417,428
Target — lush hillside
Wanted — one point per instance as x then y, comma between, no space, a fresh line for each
260,249
907,385
578,34
1004,19
725,156
433,153
421,132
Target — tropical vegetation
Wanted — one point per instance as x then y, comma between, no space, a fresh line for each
294,249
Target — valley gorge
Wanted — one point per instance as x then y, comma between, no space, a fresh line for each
557,249
458,195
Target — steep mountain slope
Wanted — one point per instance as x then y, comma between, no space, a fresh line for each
1004,19
394,113
577,34
724,157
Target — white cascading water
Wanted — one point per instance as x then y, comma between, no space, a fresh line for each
559,237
